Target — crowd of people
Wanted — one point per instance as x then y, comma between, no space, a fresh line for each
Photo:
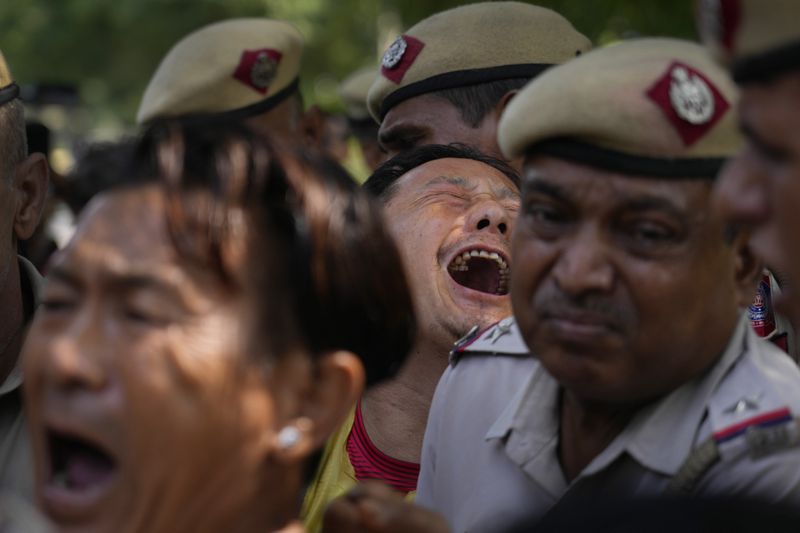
562,300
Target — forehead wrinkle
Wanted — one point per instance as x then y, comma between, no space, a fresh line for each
113,268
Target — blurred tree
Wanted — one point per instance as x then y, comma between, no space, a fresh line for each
109,48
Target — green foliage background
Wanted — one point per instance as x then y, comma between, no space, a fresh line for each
109,48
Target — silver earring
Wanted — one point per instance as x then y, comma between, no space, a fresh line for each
288,437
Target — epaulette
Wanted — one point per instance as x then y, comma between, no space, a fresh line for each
502,338
757,436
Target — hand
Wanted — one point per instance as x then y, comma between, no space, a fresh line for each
373,507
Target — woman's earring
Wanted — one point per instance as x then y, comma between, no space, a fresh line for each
288,437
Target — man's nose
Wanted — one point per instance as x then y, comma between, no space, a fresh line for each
584,265
489,216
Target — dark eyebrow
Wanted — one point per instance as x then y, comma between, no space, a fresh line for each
126,281
400,134
458,181
542,186
644,203
135,281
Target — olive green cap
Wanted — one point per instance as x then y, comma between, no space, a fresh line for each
8,89
353,91
471,44
238,67
758,39
654,107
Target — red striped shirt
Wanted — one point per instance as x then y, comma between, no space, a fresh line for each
371,463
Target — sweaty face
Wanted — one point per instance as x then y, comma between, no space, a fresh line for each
452,219
143,414
429,119
760,188
623,286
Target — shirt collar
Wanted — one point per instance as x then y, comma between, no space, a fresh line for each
530,424
34,282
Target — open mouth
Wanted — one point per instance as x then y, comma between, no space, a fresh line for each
481,270
78,465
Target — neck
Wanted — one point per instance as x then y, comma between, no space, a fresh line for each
12,318
587,428
271,505
395,413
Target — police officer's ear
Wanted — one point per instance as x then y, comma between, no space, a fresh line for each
30,182
312,126
337,381
748,267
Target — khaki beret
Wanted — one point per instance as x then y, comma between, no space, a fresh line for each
238,67
656,107
353,91
475,43
8,89
757,38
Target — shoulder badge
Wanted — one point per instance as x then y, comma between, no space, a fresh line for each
502,338
759,435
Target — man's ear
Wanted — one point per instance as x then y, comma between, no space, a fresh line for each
312,126
30,187
503,102
748,269
338,382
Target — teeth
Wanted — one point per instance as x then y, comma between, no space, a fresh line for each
460,263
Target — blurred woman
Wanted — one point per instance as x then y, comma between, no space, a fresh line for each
212,321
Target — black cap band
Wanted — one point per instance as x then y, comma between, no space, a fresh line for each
461,78
8,93
767,65
635,165
243,112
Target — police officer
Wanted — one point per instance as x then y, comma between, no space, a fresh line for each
240,69
760,189
648,378
353,91
23,188
449,77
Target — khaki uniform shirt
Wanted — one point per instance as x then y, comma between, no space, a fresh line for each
489,455
16,471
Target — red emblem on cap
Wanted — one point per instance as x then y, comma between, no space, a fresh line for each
399,57
257,68
689,101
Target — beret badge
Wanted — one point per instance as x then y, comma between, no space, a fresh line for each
690,96
394,54
688,99
257,68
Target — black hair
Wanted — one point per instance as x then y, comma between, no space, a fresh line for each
474,102
381,183
100,168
